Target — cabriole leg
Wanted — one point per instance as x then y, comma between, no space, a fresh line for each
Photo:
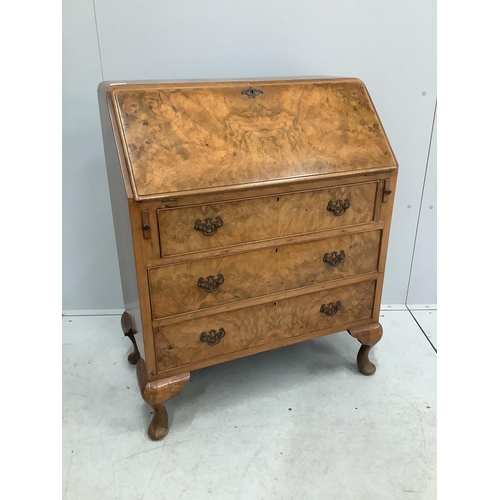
368,336
129,332
155,394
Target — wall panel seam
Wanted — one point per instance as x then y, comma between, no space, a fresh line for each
421,203
98,40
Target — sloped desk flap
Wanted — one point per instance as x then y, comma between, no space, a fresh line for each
187,138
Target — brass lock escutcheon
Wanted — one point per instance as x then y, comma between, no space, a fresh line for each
209,226
334,258
251,92
338,207
213,337
211,283
331,308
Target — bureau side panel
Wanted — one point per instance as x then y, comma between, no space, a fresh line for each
121,218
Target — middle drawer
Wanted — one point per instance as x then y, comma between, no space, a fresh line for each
180,288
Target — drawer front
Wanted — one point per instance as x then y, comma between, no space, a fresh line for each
207,283
204,338
242,221
326,208
190,229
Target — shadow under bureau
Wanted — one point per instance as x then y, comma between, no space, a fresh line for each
248,215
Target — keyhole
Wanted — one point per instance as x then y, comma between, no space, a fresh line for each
276,250
278,198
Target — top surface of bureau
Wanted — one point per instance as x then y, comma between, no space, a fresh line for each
178,139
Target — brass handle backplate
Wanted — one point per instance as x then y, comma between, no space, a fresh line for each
334,258
213,336
251,92
208,227
331,309
338,207
211,283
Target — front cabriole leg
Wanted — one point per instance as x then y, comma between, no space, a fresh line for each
368,336
155,394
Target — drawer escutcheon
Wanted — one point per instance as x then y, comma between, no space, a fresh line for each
213,337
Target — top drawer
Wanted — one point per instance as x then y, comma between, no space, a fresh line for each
202,227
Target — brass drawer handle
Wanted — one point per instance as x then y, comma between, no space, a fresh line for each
330,309
211,283
208,227
338,207
213,336
334,258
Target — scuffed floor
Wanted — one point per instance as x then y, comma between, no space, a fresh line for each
298,422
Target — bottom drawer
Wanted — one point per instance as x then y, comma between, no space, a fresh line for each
199,340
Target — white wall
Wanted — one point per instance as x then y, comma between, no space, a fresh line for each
389,44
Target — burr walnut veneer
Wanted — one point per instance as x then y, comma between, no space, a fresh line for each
248,215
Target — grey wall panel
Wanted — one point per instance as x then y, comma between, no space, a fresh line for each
423,284
90,265
390,45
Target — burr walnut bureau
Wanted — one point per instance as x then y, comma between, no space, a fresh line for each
248,215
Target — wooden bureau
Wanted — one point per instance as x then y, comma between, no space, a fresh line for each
248,215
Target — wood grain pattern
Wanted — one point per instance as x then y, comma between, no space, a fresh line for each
177,138
232,306
305,212
174,289
155,261
277,188
179,344
248,220
302,264
264,218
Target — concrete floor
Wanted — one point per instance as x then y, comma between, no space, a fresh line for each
298,422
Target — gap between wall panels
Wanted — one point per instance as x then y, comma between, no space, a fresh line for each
98,40
419,220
